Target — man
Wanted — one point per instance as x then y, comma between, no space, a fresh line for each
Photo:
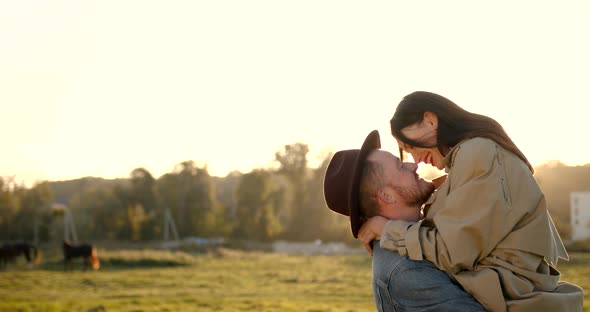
383,186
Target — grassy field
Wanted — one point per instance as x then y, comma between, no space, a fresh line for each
223,280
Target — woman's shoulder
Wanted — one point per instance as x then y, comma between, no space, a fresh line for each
477,144
473,151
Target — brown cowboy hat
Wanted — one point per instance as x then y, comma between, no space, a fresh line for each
342,180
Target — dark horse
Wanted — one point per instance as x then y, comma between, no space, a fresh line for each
9,253
85,251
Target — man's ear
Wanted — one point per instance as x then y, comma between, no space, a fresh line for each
385,196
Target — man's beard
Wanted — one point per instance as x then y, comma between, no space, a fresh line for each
415,196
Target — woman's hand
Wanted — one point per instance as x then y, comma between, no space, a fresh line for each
439,181
371,230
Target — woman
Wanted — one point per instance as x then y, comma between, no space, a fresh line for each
487,225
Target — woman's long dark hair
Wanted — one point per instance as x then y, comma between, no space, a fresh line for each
454,123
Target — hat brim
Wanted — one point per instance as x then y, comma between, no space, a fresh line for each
371,143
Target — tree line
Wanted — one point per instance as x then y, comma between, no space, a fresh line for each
263,205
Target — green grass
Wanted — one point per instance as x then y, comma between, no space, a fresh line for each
225,280
577,271
179,281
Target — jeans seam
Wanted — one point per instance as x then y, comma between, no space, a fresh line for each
384,287
390,276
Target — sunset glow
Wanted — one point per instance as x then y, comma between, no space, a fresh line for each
100,88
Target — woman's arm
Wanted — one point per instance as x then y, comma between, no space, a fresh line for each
476,214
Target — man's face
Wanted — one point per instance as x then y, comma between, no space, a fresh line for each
403,179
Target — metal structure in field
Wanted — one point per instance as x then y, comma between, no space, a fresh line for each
169,226
69,227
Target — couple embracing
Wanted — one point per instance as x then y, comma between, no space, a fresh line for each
479,238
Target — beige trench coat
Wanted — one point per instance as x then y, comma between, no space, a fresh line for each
488,226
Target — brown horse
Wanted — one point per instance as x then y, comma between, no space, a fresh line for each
85,251
10,252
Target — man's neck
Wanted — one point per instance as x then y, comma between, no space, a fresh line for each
406,213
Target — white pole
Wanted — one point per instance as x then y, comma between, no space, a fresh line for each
75,235
173,227
166,225
169,226
69,228
66,228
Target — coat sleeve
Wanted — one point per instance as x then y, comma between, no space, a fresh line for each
476,216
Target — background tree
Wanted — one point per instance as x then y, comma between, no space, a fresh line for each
226,192
99,213
209,215
256,211
190,194
143,189
9,206
322,223
169,192
33,203
145,211
293,166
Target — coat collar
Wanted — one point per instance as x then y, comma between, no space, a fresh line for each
449,159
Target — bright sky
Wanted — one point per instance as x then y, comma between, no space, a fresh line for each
99,88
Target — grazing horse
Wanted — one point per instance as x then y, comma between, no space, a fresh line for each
85,251
9,253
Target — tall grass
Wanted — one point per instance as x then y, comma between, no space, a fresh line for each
221,280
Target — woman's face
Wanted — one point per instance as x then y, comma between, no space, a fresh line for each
424,132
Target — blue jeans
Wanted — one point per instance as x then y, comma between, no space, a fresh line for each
402,284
